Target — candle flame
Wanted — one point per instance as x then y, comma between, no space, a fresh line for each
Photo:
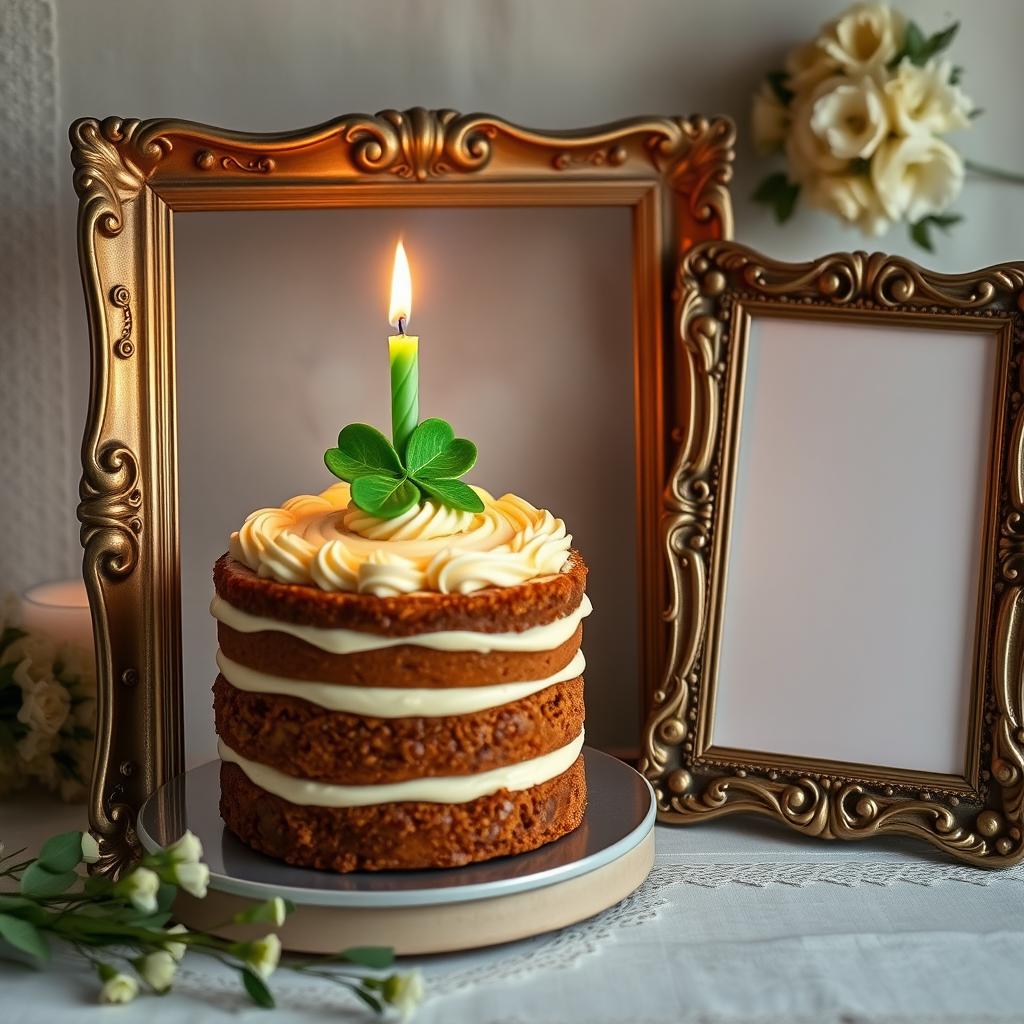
401,289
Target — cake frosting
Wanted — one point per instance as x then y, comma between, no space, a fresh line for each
354,641
393,702
403,692
454,789
326,541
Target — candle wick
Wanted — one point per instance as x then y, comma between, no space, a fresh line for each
401,325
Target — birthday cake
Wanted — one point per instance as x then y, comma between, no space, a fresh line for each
400,690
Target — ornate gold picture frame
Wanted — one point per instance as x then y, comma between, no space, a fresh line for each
976,815
133,176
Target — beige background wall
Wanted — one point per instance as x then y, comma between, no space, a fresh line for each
264,64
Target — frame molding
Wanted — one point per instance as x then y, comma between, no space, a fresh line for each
132,175
979,818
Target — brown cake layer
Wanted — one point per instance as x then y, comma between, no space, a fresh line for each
492,610
280,654
384,837
309,742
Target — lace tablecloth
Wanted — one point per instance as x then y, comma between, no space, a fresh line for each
739,922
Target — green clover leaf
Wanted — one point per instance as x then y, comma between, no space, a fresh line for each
453,493
362,449
433,452
386,486
384,496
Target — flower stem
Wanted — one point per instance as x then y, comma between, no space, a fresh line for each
997,173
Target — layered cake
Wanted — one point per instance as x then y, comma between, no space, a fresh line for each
401,691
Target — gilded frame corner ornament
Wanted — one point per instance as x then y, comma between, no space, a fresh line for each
979,818
131,176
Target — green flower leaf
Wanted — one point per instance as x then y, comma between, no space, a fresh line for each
165,896
25,936
372,1001
362,450
13,903
8,636
433,452
921,231
384,496
778,80
62,853
453,493
778,192
39,882
257,989
919,48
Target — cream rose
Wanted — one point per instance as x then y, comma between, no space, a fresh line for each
769,119
852,198
916,176
921,100
78,664
807,65
851,118
38,650
44,707
864,39
807,153
35,751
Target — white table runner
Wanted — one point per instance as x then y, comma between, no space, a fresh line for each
739,922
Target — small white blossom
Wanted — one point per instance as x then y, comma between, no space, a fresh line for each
193,878
404,992
140,887
121,988
278,911
186,850
263,955
176,949
157,970
90,848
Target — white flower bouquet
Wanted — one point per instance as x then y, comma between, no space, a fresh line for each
47,712
861,114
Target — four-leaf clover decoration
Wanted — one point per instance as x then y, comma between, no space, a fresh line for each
383,485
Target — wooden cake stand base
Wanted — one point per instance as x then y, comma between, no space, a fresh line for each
592,868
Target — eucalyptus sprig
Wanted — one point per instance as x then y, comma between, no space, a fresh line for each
388,484
121,927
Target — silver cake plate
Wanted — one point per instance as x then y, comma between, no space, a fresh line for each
440,910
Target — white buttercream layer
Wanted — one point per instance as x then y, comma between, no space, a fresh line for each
392,702
452,789
351,641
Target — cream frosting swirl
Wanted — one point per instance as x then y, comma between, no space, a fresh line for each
325,540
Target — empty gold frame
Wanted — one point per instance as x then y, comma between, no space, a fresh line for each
131,176
976,814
